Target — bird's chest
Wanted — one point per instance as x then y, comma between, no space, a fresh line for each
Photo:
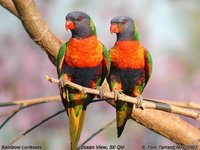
127,55
84,53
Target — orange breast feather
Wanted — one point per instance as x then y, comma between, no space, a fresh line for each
127,54
84,52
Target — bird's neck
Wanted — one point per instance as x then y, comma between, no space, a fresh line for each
82,33
83,43
127,36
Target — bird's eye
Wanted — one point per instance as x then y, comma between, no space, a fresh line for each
124,21
80,18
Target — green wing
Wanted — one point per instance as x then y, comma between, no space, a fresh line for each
136,35
148,70
60,59
105,64
93,27
148,65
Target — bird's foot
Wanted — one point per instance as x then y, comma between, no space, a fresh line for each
62,82
116,95
101,92
139,102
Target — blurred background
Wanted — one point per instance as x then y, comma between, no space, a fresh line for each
170,30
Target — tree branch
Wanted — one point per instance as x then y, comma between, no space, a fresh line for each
33,101
145,104
8,113
168,125
8,4
24,104
188,104
172,128
37,28
161,122
12,115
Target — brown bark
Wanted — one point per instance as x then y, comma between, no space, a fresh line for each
8,4
168,125
37,28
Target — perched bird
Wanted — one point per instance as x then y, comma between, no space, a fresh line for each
82,60
131,66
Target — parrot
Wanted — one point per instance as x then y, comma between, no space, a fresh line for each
83,60
131,66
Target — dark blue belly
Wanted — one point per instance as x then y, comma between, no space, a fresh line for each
83,76
128,77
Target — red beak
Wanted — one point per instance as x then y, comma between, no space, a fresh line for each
69,25
114,28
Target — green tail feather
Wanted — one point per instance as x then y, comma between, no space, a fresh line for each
123,113
75,126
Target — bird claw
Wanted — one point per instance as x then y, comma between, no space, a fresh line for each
116,95
139,102
101,91
62,82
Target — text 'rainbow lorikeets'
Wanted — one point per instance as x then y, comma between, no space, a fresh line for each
84,61
131,66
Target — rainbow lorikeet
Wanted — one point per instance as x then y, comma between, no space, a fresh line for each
85,61
131,66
